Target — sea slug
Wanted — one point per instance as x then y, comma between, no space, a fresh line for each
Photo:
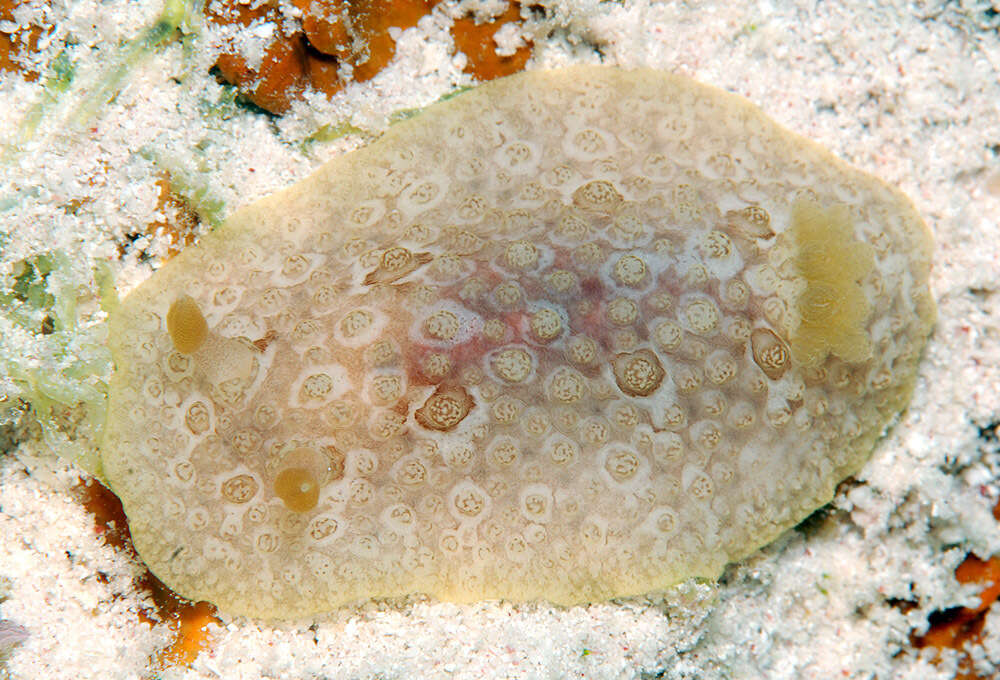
569,335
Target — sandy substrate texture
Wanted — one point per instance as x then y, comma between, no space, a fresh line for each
908,92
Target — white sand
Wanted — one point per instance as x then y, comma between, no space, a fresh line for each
909,92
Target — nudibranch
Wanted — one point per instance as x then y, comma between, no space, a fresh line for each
569,335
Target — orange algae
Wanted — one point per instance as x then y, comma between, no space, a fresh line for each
335,37
282,71
477,42
192,636
357,33
18,42
962,627
189,620
984,572
334,33
179,223
175,223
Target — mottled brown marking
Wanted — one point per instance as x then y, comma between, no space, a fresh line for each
639,373
769,352
396,263
751,222
335,462
269,337
445,409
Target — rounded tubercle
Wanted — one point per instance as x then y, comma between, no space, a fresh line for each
301,476
186,325
298,488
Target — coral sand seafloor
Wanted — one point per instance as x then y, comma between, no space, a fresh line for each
872,582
